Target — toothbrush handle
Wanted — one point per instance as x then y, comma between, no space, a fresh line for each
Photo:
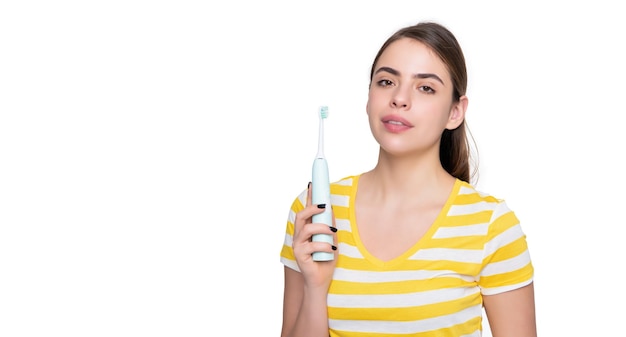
321,195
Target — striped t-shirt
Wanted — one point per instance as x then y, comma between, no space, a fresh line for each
475,247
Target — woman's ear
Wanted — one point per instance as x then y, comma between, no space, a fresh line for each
457,113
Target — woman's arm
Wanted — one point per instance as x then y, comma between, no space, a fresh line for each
512,313
304,310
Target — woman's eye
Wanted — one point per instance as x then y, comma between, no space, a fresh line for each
427,89
384,83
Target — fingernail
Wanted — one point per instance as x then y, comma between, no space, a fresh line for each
308,185
333,229
321,206
334,248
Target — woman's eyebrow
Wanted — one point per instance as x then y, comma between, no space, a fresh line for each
429,75
420,75
389,70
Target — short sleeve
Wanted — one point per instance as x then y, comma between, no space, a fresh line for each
286,253
506,263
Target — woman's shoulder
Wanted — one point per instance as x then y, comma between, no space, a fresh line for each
350,180
337,187
471,199
344,188
468,189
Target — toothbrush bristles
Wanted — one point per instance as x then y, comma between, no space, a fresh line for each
323,112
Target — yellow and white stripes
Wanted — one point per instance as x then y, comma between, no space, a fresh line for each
475,248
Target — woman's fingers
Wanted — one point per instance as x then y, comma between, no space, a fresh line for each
334,229
308,247
305,229
304,217
309,195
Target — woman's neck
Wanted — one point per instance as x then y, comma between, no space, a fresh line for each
406,178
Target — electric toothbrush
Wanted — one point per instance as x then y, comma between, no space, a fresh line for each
321,190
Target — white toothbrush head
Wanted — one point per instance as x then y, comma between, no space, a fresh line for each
324,112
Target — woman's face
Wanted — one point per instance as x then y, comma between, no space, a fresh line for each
410,99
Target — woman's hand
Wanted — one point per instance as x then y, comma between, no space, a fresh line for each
315,273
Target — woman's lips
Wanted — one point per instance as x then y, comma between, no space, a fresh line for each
396,123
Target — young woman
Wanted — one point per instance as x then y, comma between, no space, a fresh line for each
418,250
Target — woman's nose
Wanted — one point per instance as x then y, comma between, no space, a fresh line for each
401,99
398,104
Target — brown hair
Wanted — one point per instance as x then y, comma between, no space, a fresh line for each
454,150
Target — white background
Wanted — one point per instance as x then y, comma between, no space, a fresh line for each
149,152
